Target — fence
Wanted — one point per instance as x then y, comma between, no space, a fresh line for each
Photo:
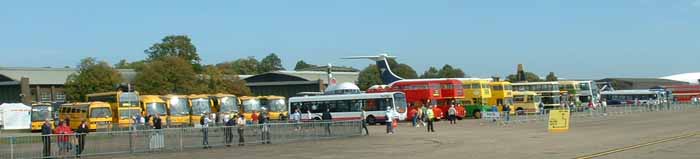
581,114
170,140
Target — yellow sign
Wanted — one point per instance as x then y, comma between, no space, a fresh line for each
559,120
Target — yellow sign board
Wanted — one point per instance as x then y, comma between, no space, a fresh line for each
559,120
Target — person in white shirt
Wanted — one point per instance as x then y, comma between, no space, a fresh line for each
205,131
389,118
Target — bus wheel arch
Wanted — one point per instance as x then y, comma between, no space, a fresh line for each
371,120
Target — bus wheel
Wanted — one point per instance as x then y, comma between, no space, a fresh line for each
371,121
459,118
317,118
477,115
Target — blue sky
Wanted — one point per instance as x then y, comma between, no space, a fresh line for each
575,39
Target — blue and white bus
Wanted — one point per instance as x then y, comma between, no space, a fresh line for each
633,96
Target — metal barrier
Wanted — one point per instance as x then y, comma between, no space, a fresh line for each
585,114
170,140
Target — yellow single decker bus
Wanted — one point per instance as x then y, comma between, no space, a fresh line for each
125,106
200,105
477,92
224,104
527,101
249,105
40,113
178,110
97,114
501,94
275,105
152,105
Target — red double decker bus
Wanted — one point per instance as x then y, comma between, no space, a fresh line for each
440,92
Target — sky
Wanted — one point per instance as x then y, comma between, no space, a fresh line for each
575,39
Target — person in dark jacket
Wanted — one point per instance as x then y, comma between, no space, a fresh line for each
157,122
264,119
46,138
328,119
83,130
228,131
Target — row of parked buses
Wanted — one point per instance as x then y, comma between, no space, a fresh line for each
119,108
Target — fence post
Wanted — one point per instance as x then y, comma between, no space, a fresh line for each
131,142
182,131
12,147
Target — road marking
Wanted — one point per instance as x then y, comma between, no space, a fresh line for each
604,153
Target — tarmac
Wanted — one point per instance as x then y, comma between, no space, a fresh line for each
667,135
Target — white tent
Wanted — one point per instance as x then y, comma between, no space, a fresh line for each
15,116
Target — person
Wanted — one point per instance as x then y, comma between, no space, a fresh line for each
157,139
83,130
389,117
326,116
430,116
67,120
452,114
414,120
363,116
205,131
63,132
226,118
157,122
264,119
254,117
296,117
147,122
419,117
542,111
46,137
506,112
214,120
241,126
494,111
228,130
604,104
424,109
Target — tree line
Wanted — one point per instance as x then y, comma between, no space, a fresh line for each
173,66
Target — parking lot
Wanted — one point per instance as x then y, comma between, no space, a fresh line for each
477,139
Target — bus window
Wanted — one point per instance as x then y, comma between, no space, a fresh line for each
519,99
100,113
400,101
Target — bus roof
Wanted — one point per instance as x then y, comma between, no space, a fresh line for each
198,96
271,97
343,96
89,104
151,99
222,95
475,81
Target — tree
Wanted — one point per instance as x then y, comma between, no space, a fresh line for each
368,77
136,65
531,77
551,77
303,65
242,66
270,63
214,80
448,71
92,77
167,75
175,45
432,72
